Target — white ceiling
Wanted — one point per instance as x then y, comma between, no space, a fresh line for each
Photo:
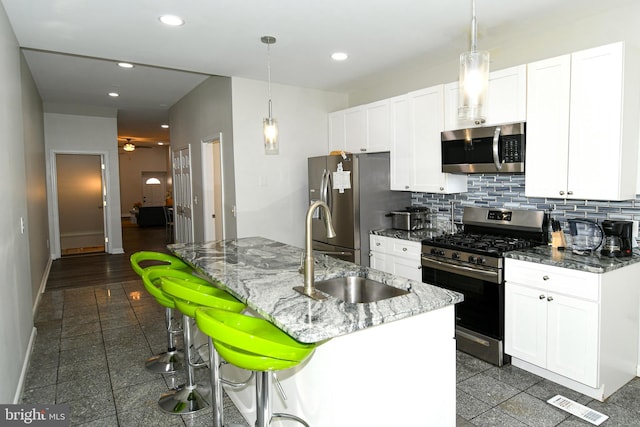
71,45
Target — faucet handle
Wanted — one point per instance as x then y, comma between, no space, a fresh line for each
301,268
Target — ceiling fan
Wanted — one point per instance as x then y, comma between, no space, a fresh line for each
129,146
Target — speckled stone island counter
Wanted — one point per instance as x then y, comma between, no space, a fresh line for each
396,355
262,273
594,263
414,236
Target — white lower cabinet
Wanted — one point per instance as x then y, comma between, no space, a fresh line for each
396,256
576,328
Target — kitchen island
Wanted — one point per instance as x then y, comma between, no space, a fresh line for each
391,362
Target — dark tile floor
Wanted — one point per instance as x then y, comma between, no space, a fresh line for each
92,342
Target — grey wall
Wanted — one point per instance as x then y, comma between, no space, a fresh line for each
201,114
16,295
36,185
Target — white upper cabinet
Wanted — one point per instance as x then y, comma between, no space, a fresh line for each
506,99
582,125
416,163
364,128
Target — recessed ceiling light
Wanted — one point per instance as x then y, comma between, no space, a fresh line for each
164,126
339,56
114,94
125,65
172,20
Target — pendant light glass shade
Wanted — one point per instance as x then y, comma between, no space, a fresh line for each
474,78
269,124
128,146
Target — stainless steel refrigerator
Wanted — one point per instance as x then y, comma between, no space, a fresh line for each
356,188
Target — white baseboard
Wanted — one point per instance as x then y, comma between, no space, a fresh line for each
43,286
25,366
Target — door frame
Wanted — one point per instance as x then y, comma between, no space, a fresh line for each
55,213
208,189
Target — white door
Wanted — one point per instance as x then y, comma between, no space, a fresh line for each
81,203
212,188
154,188
182,200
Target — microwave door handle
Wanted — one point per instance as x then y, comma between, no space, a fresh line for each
496,155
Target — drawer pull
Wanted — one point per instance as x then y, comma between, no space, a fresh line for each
404,249
549,299
545,277
378,243
541,297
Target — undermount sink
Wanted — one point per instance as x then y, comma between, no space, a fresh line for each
355,289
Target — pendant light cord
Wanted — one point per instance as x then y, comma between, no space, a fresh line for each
474,28
269,74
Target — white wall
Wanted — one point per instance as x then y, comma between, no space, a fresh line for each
271,190
83,134
16,323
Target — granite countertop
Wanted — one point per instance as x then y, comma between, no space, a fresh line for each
262,273
415,236
594,263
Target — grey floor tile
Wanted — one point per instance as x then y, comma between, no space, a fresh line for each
78,355
545,390
628,397
148,416
129,370
487,389
461,422
109,421
496,418
513,376
94,410
80,328
80,341
43,395
88,367
468,406
474,363
139,396
40,376
532,411
83,388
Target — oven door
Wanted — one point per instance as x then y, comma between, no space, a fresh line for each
482,310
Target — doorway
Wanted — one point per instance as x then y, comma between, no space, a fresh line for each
154,188
81,202
212,188
182,195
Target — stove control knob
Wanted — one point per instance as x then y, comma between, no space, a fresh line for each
433,251
472,259
455,255
481,261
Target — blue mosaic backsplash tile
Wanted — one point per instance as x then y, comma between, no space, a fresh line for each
507,191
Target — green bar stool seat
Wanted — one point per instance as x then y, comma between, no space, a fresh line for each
170,361
188,296
257,345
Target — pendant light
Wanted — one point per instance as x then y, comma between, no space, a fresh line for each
128,146
474,78
269,124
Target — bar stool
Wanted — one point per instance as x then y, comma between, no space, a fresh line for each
188,297
170,361
257,345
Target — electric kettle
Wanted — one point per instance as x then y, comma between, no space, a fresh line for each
586,236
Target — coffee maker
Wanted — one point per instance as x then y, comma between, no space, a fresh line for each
618,237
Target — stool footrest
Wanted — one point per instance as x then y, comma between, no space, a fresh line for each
290,417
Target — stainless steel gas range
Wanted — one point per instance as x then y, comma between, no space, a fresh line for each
472,262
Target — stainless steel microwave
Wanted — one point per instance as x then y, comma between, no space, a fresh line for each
491,149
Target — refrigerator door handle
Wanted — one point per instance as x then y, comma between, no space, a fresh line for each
328,192
323,191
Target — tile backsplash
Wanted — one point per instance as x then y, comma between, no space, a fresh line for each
507,191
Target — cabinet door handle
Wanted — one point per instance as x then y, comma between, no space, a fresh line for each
404,249
378,243
549,299
441,188
545,277
406,186
569,193
561,193
541,297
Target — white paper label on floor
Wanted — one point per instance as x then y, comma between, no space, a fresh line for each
580,411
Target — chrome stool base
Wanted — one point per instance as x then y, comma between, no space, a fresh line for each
168,362
185,400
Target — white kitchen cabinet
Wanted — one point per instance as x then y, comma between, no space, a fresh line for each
364,128
506,100
416,162
396,256
582,125
576,328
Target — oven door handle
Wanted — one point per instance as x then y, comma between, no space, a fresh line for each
474,273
